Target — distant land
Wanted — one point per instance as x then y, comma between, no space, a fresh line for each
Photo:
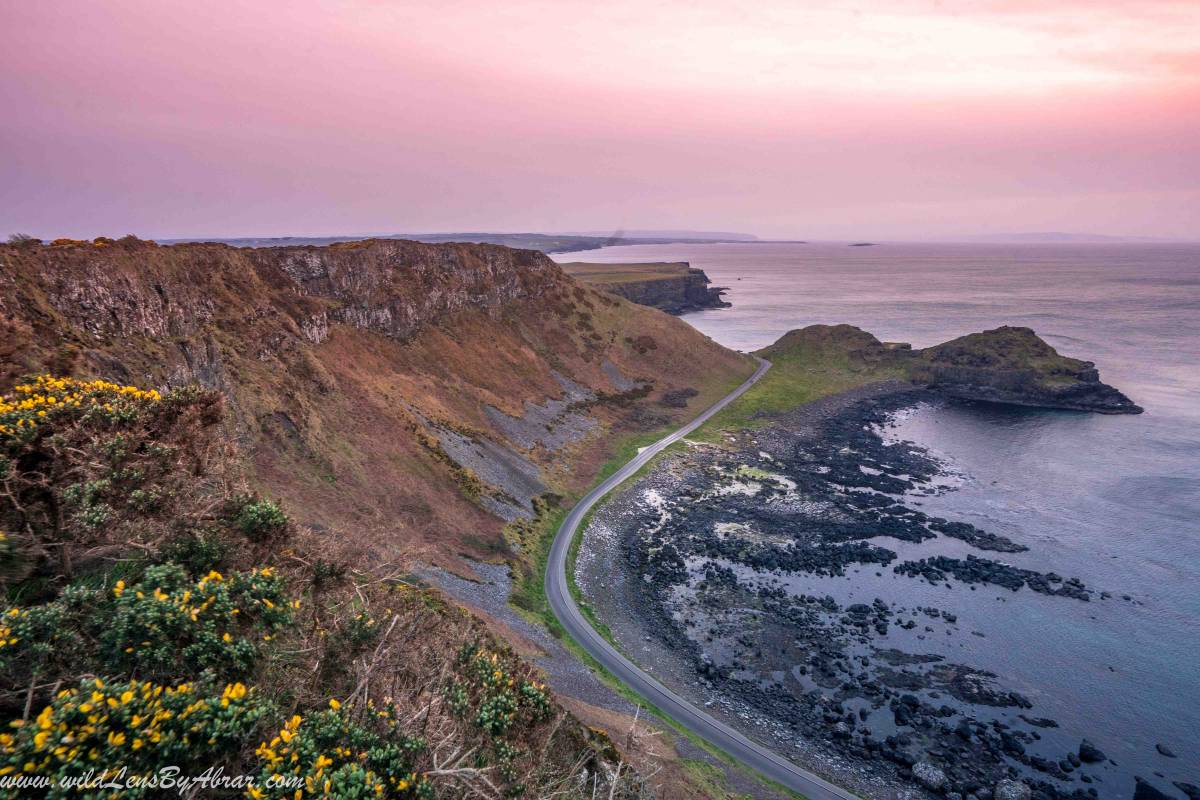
1050,237
545,242
675,235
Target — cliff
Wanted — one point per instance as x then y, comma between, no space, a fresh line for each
415,402
672,287
1005,365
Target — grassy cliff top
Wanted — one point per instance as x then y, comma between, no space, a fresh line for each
625,273
1009,365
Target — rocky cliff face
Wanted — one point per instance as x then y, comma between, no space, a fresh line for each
675,295
409,399
674,287
391,287
397,287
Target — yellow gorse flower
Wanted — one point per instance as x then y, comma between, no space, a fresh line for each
47,395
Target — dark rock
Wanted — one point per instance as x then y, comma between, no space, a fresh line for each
1144,790
1190,789
1089,753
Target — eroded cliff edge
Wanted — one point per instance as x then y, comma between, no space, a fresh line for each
674,287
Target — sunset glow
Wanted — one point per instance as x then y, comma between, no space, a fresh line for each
785,119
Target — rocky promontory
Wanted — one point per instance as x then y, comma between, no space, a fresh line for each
674,287
1009,365
1015,366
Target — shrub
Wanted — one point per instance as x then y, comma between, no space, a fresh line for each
164,626
136,725
168,624
198,553
259,520
500,701
85,461
23,240
338,756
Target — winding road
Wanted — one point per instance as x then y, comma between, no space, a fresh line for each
713,731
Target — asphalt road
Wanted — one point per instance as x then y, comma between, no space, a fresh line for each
713,731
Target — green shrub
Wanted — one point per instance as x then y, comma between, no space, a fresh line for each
499,700
136,725
197,553
164,626
341,757
168,623
259,520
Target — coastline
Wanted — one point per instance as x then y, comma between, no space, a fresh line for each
864,716
603,576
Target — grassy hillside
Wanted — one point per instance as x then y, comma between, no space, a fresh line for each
408,401
158,613
220,465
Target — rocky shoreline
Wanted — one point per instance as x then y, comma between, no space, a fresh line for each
701,571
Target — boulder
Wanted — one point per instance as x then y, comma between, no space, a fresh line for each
1144,790
1089,753
1011,790
929,776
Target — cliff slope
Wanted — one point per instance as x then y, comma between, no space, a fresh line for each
411,402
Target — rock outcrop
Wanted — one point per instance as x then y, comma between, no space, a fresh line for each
1015,366
676,288
1005,365
688,292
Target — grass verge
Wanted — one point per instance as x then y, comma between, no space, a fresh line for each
529,597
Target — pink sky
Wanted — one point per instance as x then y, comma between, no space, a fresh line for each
786,119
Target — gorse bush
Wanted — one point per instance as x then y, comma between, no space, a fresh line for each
88,462
138,631
84,462
46,396
167,622
498,699
260,520
165,626
138,726
338,756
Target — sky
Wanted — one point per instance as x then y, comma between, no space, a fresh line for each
787,119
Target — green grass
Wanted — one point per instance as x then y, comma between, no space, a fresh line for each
528,594
529,586
529,597
796,377
709,778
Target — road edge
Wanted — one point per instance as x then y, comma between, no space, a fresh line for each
733,744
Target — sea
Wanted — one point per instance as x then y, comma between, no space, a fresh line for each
1112,500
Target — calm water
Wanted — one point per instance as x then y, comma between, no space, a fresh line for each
1114,501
